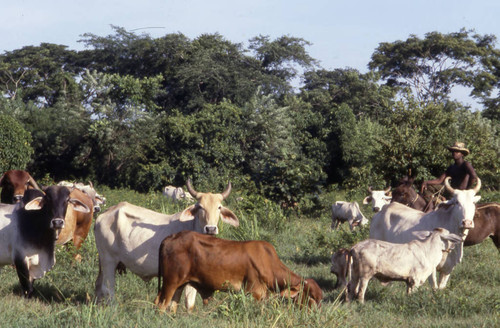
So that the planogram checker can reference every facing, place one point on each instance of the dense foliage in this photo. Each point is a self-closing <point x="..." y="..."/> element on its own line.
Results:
<point x="142" y="112"/>
<point x="15" y="148"/>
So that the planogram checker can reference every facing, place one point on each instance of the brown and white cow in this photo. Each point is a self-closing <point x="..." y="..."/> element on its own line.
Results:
<point x="28" y="231"/>
<point x="347" y="212"/>
<point x="77" y="223"/>
<point x="208" y="264"/>
<point x="14" y="183"/>
<point x="130" y="236"/>
<point x="378" y="198"/>
<point x="411" y="262"/>
<point x="397" y="223"/>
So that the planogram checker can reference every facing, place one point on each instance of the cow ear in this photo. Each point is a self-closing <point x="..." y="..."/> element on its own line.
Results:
<point x="35" y="204"/>
<point x="289" y="293"/>
<point x="78" y="205"/>
<point x="422" y="235"/>
<point x="367" y="200"/>
<point x="188" y="213"/>
<point x="476" y="199"/>
<point x="229" y="217"/>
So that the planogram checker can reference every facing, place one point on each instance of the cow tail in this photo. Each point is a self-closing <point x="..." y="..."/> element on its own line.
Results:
<point x="348" y="274"/>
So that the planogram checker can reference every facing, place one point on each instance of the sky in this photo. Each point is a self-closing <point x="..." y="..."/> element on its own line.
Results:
<point x="342" y="33"/>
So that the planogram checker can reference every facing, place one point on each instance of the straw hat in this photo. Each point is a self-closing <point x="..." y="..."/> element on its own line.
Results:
<point x="459" y="146"/>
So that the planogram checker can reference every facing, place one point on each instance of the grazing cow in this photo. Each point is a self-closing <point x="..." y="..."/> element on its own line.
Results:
<point x="28" y="232"/>
<point x="77" y="223"/>
<point x="176" y="194"/>
<point x="396" y="223"/>
<point x="89" y="190"/>
<point x="347" y="211"/>
<point x="339" y="266"/>
<point x="412" y="262"/>
<point x="378" y="198"/>
<point x="14" y="183"/>
<point x="130" y="236"/>
<point x="209" y="264"/>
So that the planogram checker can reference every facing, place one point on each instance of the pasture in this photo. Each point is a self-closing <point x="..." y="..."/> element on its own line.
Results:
<point x="304" y="242"/>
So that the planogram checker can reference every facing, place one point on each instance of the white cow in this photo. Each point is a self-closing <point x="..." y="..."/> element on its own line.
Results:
<point x="89" y="190"/>
<point x="130" y="235"/>
<point x="397" y="223"/>
<point x="347" y="211"/>
<point x="411" y="262"/>
<point x="378" y="198"/>
<point x="176" y="194"/>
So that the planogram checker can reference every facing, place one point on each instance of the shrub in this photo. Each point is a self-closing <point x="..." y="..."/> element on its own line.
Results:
<point x="15" y="144"/>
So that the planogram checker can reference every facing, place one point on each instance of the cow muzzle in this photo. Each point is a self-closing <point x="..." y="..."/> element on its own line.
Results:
<point x="211" y="230"/>
<point x="467" y="224"/>
<point x="57" y="224"/>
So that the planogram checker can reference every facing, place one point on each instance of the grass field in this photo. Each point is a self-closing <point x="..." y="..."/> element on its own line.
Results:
<point x="65" y="296"/>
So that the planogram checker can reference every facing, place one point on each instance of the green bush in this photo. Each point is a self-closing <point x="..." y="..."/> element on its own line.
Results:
<point x="15" y="144"/>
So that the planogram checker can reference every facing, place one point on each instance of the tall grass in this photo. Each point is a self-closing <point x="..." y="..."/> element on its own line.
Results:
<point x="65" y="296"/>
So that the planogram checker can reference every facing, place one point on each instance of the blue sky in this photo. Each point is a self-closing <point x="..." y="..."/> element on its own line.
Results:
<point x="343" y="33"/>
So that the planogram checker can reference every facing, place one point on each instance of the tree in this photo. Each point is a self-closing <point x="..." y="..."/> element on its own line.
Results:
<point x="15" y="144"/>
<point x="433" y="66"/>
<point x="44" y="75"/>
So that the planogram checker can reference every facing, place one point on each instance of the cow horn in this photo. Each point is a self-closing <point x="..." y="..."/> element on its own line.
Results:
<point x="226" y="192"/>
<point x="90" y="184"/>
<point x="370" y="189"/>
<point x="447" y="185"/>
<point x="33" y="183"/>
<point x="190" y="188"/>
<point x="478" y="186"/>
<point x="387" y="189"/>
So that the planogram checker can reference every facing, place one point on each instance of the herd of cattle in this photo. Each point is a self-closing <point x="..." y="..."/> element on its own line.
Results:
<point x="405" y="244"/>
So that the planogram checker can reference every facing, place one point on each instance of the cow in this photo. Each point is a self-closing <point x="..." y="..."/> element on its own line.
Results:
<point x="486" y="217"/>
<point x="130" y="236"/>
<point x="486" y="224"/>
<point x="339" y="266"/>
<point x="378" y="198"/>
<point x="28" y="232"/>
<point x="413" y="262"/>
<point x="77" y="223"/>
<point x="89" y="190"/>
<point x="14" y="183"/>
<point x="397" y="223"/>
<point x="176" y="194"/>
<point x="209" y="263"/>
<point x="347" y="212"/>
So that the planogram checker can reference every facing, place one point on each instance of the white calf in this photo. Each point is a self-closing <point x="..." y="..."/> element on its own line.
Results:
<point x="412" y="262"/>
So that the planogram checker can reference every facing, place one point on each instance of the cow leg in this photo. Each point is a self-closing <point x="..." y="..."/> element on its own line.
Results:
<point x="335" y="224"/>
<point x="24" y="276"/>
<point x="433" y="280"/>
<point x="105" y="283"/>
<point x="190" y="297"/>
<point x="363" y="284"/>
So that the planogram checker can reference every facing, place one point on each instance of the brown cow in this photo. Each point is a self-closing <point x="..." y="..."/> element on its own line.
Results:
<point x="486" y="224"/>
<point x="14" y="183"/>
<point x="77" y="223"/>
<point x="208" y="264"/>
<point x="486" y="216"/>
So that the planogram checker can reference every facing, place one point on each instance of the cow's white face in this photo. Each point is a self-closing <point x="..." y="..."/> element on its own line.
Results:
<point x="465" y="207"/>
<point x="209" y="210"/>
<point x="378" y="198"/>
